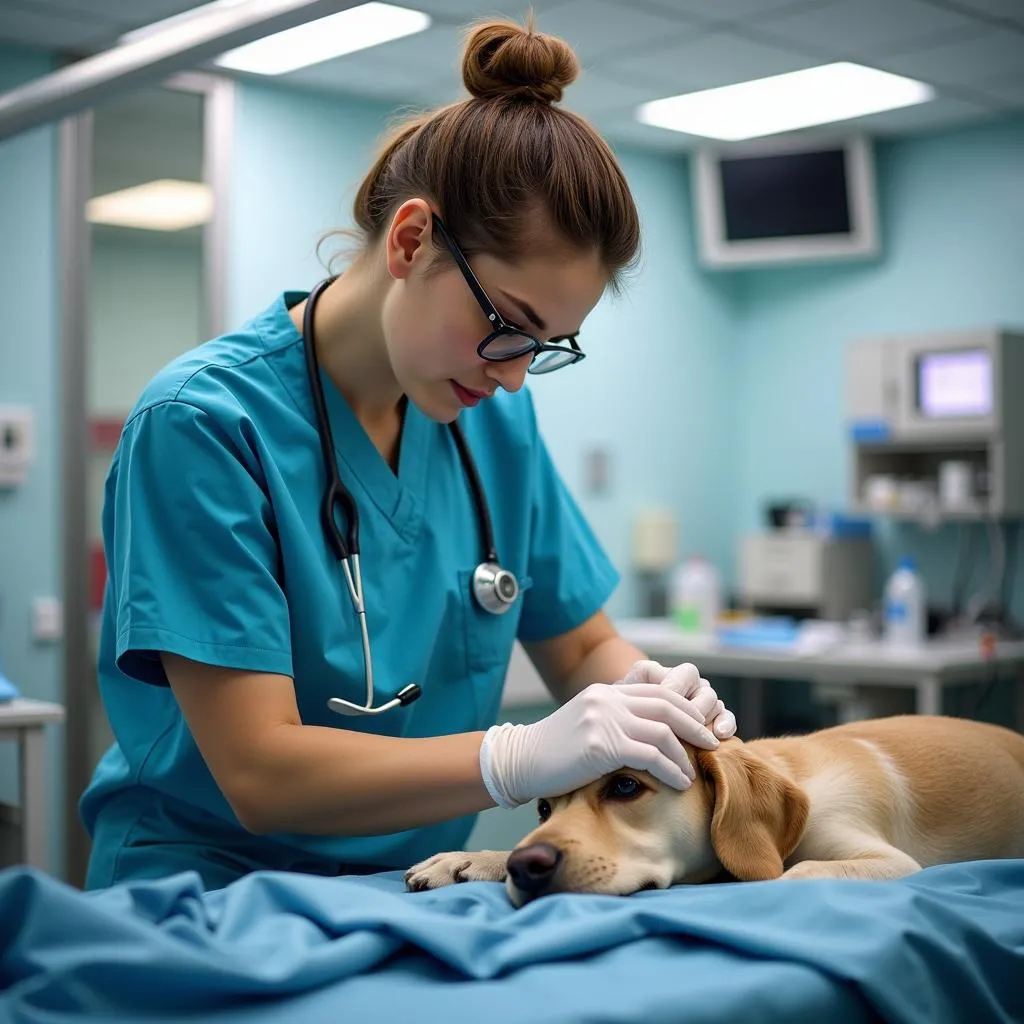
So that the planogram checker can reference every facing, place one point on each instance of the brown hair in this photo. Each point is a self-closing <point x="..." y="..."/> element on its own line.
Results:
<point x="505" y="166"/>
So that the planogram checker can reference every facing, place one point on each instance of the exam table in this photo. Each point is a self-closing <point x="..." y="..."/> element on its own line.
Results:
<point x="943" y="947"/>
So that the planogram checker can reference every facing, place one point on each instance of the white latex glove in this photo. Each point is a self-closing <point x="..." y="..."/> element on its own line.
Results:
<point x="601" y="729"/>
<point x="687" y="682"/>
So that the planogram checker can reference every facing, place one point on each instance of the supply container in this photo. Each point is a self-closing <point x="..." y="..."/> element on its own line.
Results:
<point x="904" y="613"/>
<point x="696" y="599"/>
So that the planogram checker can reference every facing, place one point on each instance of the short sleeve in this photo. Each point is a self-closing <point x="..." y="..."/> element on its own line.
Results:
<point x="191" y="549"/>
<point x="571" y="576"/>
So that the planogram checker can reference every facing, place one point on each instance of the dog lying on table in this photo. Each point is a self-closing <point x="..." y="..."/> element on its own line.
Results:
<point x="876" y="799"/>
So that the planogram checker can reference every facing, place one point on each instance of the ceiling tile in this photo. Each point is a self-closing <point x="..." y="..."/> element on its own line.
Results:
<point x="436" y="53"/>
<point x="121" y="11"/>
<point x="593" y="95"/>
<point x="465" y="11"/>
<point x="1008" y="89"/>
<point x="406" y="97"/>
<point x="728" y="10"/>
<point x="867" y="28"/>
<point x="1006" y="10"/>
<point x="636" y="50"/>
<point x="47" y="29"/>
<point x="943" y="112"/>
<point x="972" y="59"/>
<point x="596" y="28"/>
<point x="397" y="85"/>
<point x="115" y="16"/>
<point x="427" y="55"/>
<point x="706" y="62"/>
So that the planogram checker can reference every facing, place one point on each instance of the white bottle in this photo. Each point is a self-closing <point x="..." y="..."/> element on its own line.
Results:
<point x="905" y="607"/>
<point x="696" y="596"/>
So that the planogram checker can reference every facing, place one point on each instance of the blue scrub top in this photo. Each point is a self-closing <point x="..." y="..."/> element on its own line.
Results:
<point x="211" y="526"/>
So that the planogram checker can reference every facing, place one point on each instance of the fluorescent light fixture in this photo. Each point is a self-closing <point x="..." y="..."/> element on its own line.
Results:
<point x="316" y="41"/>
<point x="781" y="103"/>
<point x="162" y="205"/>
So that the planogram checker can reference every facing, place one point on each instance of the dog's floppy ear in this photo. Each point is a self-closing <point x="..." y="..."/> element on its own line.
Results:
<point x="759" y="814"/>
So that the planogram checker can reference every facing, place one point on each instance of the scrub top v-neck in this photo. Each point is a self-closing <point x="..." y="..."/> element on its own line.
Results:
<point x="216" y="552"/>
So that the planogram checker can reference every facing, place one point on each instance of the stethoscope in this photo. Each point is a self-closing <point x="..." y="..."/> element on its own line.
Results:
<point x="494" y="588"/>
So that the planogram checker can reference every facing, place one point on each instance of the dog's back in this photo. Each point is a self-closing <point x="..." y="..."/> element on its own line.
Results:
<point x="940" y="789"/>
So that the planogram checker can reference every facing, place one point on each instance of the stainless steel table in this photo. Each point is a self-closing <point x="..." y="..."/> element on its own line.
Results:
<point x="925" y="670"/>
<point x="24" y="721"/>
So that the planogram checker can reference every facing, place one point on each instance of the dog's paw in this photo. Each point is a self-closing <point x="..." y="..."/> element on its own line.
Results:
<point x="811" y="869"/>
<point x="451" y="868"/>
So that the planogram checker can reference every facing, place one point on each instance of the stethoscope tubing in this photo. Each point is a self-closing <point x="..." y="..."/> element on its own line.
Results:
<point x="346" y="547"/>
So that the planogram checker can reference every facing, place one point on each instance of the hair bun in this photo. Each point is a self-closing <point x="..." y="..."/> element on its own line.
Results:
<point x="502" y="58"/>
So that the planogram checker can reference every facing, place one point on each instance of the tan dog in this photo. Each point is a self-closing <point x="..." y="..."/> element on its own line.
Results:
<point x="875" y="799"/>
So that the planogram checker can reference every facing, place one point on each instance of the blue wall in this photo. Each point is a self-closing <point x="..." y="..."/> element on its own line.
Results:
<point x="652" y="391"/>
<point x="952" y="214"/>
<point x="29" y="515"/>
<point x="297" y="161"/>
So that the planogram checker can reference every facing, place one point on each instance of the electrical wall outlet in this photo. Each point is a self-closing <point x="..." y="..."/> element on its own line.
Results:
<point x="16" y="447"/>
<point x="596" y="470"/>
<point x="47" y="619"/>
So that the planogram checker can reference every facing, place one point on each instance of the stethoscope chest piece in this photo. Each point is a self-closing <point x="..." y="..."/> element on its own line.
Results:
<point x="494" y="588"/>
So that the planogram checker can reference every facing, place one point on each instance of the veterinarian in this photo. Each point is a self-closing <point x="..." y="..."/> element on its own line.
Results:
<point x="326" y="530"/>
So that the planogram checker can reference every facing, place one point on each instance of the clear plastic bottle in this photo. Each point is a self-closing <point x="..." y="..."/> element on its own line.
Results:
<point x="905" y="606"/>
<point x="696" y="596"/>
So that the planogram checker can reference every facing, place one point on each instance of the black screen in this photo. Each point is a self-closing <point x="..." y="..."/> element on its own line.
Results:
<point x="787" y="195"/>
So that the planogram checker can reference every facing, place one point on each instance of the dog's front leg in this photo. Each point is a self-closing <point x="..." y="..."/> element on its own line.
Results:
<point x="451" y="868"/>
<point x="877" y="864"/>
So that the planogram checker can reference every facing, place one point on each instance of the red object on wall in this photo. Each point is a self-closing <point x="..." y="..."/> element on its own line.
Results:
<point x="97" y="577"/>
<point x="105" y="432"/>
<point x="104" y="435"/>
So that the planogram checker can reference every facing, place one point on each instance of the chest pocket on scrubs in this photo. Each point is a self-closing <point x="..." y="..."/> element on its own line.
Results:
<point x="489" y="638"/>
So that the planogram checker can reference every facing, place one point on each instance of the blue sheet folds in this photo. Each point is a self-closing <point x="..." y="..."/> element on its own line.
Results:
<point x="946" y="945"/>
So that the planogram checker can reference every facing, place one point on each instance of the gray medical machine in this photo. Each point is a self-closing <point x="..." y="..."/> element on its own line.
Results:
<point x="937" y="424"/>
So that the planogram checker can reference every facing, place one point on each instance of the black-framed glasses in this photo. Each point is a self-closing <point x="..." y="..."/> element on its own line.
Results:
<point x="507" y="341"/>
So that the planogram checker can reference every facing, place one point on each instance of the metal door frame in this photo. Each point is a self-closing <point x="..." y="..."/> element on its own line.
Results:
<point x="80" y="691"/>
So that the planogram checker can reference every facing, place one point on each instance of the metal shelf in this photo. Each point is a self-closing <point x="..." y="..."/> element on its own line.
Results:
<point x="919" y="446"/>
<point x="943" y="515"/>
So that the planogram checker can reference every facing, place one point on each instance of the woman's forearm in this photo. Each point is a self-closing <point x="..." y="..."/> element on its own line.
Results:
<point x="282" y="776"/>
<point x="323" y="781"/>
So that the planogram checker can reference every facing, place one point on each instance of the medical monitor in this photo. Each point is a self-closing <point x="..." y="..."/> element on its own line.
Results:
<point x="785" y="202"/>
<point x="951" y="385"/>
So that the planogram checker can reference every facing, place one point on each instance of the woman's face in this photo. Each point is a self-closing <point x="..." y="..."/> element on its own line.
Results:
<point x="433" y="323"/>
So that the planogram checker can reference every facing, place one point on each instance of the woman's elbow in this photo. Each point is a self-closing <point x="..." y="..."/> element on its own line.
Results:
<point x="254" y="820"/>
<point x="251" y="801"/>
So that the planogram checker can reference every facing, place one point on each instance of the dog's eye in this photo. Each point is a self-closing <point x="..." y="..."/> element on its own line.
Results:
<point x="543" y="810"/>
<point x="623" y="787"/>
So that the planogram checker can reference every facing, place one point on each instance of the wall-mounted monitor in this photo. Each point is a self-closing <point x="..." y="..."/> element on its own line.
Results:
<point x="786" y="202"/>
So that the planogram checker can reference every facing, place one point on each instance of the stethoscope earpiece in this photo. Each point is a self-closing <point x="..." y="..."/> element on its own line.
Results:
<point x="494" y="588"/>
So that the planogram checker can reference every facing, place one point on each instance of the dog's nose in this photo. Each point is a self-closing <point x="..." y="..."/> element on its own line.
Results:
<point x="532" y="868"/>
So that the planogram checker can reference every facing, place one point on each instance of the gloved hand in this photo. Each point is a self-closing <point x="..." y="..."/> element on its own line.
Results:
<point x="601" y="729"/>
<point x="687" y="682"/>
